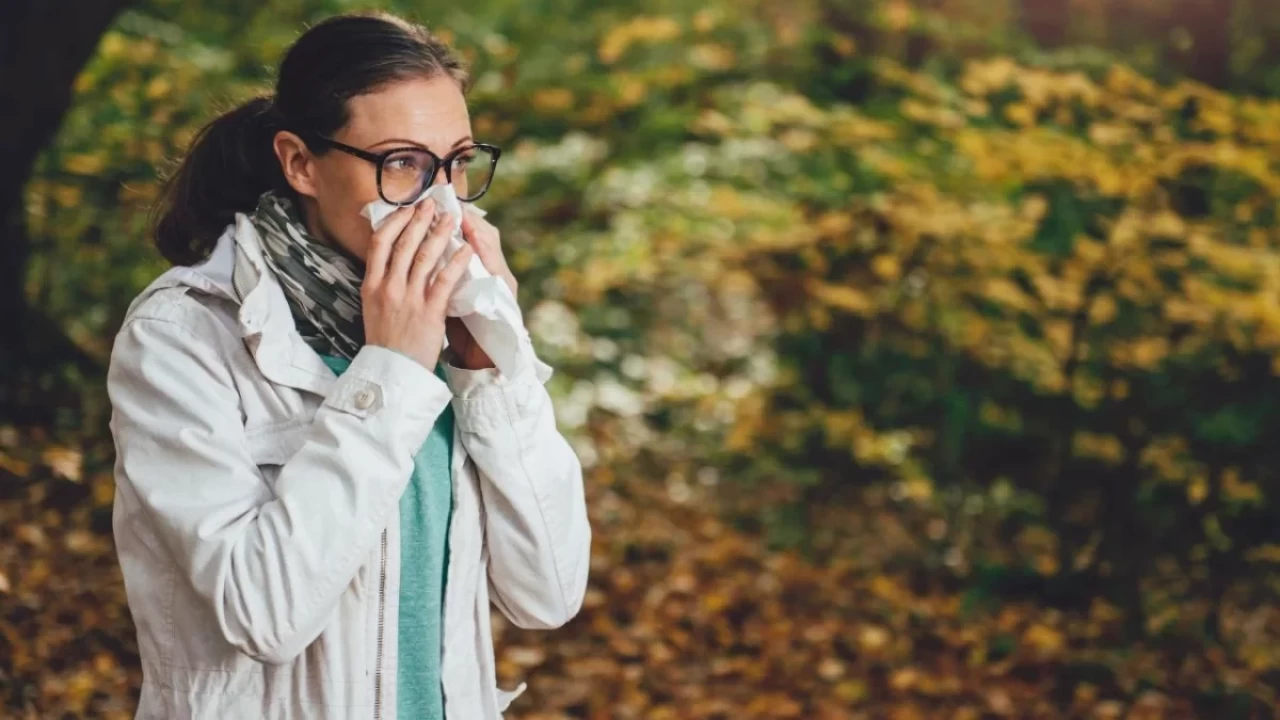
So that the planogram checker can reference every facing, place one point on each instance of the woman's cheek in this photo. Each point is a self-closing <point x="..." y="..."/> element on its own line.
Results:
<point x="349" y="229"/>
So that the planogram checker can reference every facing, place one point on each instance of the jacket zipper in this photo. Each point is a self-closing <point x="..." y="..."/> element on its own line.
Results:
<point x="382" y="612"/>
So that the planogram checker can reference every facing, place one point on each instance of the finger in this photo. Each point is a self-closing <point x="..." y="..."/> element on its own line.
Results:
<point x="384" y="238"/>
<point x="407" y="244"/>
<point x="428" y="255"/>
<point x="475" y="214"/>
<point x="442" y="287"/>
<point x="477" y="230"/>
<point x="484" y="238"/>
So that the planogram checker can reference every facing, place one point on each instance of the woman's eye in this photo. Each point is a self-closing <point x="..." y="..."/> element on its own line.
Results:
<point x="463" y="160"/>
<point x="402" y="163"/>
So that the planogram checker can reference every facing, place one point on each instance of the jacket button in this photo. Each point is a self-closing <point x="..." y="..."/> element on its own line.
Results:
<point x="364" y="399"/>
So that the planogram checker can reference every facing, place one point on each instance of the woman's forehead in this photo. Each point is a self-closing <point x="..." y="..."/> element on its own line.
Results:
<point x="430" y="112"/>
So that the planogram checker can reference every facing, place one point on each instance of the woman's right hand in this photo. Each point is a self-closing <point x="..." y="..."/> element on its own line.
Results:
<point x="402" y="310"/>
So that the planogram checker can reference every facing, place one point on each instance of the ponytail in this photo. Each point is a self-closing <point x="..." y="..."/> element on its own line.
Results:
<point x="230" y="164"/>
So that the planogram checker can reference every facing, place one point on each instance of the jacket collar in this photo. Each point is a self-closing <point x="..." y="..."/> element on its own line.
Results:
<point x="237" y="271"/>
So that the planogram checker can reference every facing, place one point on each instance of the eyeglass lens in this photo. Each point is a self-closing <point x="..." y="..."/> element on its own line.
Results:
<point x="406" y="173"/>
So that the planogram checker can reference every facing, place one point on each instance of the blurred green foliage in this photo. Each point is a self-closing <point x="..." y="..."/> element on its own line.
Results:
<point x="827" y="245"/>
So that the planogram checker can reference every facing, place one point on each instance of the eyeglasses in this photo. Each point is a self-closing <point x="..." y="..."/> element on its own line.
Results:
<point x="404" y="173"/>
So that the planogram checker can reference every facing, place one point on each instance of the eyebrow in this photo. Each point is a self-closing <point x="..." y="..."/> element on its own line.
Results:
<point x="403" y="141"/>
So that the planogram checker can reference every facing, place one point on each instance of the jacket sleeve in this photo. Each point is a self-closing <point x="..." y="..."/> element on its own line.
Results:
<point x="536" y="527"/>
<point x="271" y="561"/>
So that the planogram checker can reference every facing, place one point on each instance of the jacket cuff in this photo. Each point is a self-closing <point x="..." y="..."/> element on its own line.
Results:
<point x="380" y="380"/>
<point x="467" y="384"/>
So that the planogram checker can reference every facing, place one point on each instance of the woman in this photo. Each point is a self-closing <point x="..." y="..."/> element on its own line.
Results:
<point x="315" y="499"/>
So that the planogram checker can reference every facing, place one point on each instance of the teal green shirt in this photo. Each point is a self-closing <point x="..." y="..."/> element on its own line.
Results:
<point x="425" y="507"/>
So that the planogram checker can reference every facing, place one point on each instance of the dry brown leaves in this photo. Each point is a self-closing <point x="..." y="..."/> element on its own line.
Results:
<point x="686" y="618"/>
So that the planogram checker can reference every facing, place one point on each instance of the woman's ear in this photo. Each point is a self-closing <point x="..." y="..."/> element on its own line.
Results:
<point x="296" y="162"/>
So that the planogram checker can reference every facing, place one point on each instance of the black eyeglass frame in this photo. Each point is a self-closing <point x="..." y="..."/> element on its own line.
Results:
<point x="379" y="158"/>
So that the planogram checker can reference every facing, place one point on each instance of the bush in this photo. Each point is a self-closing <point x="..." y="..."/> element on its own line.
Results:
<point x="778" y="241"/>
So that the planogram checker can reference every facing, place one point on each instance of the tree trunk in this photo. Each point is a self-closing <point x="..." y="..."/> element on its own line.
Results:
<point x="1209" y="23"/>
<point x="44" y="44"/>
<point x="1129" y="24"/>
<point x="1047" y="21"/>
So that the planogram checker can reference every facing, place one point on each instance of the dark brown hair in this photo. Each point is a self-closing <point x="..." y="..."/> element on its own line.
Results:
<point x="231" y="161"/>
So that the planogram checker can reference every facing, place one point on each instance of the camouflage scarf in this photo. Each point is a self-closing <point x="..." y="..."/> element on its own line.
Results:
<point x="321" y="284"/>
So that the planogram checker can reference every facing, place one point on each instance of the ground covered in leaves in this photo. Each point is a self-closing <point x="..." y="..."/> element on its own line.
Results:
<point x="687" y="617"/>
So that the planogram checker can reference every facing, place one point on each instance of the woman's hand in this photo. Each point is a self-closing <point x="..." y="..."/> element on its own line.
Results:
<point x="402" y="311"/>
<point x="487" y="242"/>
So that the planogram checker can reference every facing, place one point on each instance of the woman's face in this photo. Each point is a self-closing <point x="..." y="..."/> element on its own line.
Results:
<point x="335" y="186"/>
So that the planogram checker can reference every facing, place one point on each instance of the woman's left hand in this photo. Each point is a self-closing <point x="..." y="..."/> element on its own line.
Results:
<point x="487" y="242"/>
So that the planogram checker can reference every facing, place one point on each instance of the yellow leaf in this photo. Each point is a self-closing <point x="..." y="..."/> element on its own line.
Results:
<point x="552" y="100"/>
<point x="904" y="679"/>
<point x="104" y="490"/>
<point x="85" y="164"/>
<point x="32" y="535"/>
<point x="113" y="44"/>
<point x="1266" y="554"/>
<point x="898" y="15"/>
<point x="1020" y="114"/>
<point x="65" y="462"/>
<point x="830" y="669"/>
<point x="67" y="196"/>
<point x="851" y="691"/>
<point x="1098" y="446"/>
<point x="712" y="56"/>
<point x="641" y="29"/>
<point x="104" y="663"/>
<point x="14" y="466"/>
<point x="158" y="87"/>
<point x="873" y="637"/>
<point x="630" y="90"/>
<point x="1047" y="641"/>
<point x="799" y="140"/>
<point x="834" y="224"/>
<point x="1234" y="488"/>
<point x="1046" y="565"/>
<point x="80" y="542"/>
<point x="706" y="20"/>
<point x="886" y="267"/>
<point x="842" y="297"/>
<point x="1103" y="310"/>
<point x="844" y="45"/>
<point x="525" y="657"/>
<point x="714" y="602"/>
<point x="1006" y="292"/>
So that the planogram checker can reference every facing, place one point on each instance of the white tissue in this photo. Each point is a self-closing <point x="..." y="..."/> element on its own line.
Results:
<point x="485" y="303"/>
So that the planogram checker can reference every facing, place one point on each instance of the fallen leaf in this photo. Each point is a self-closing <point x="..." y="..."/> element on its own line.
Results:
<point x="525" y="656"/>
<point x="65" y="462"/>
<point x="32" y="535"/>
<point x="1046" y="641"/>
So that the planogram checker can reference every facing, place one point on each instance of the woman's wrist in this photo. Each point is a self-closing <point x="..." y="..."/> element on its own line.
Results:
<point x="478" y="361"/>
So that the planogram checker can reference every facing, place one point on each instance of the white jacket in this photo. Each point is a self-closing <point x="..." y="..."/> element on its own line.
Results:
<point x="257" y="506"/>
